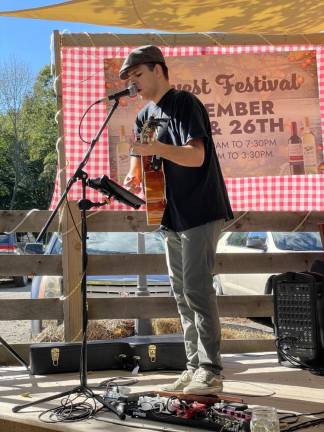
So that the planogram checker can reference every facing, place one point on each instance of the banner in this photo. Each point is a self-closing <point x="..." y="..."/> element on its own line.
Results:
<point x="252" y="123"/>
<point x="263" y="108"/>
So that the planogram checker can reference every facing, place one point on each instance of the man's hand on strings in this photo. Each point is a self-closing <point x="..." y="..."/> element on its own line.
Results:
<point x="147" y="149"/>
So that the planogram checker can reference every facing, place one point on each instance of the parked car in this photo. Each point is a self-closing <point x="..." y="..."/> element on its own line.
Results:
<point x="24" y="239"/>
<point x="8" y="246"/>
<point x="112" y="285"/>
<point x="260" y="242"/>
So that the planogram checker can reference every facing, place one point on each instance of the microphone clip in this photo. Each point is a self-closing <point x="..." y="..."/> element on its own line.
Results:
<point x="86" y="204"/>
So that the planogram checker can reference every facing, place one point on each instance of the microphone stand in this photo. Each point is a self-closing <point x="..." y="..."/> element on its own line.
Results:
<point x="78" y="173"/>
<point x="14" y="353"/>
<point x="84" y="205"/>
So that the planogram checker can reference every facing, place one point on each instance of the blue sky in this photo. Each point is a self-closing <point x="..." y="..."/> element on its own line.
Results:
<point x="29" y="39"/>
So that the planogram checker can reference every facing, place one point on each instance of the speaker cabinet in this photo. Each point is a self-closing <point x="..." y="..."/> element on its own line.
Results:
<point x="299" y="316"/>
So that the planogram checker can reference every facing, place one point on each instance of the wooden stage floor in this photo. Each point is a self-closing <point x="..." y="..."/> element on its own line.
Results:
<point x="257" y="378"/>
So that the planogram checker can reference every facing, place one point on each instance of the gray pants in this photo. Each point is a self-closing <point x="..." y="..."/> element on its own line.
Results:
<point x="191" y="257"/>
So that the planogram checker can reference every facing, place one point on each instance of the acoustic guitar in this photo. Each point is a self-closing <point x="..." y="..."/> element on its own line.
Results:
<point x="152" y="175"/>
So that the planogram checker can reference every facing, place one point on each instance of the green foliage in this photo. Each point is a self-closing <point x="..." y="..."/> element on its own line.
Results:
<point x="6" y="172"/>
<point x="39" y="110"/>
<point x="33" y="191"/>
<point x="27" y="147"/>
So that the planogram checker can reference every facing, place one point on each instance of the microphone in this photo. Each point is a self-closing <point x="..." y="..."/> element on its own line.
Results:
<point x="130" y="91"/>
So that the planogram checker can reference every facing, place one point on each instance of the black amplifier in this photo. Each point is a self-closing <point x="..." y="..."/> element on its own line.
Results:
<point x="299" y="315"/>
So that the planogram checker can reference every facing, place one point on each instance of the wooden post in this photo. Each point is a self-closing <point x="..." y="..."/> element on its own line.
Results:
<point x="71" y="256"/>
<point x="72" y="273"/>
<point x="59" y="116"/>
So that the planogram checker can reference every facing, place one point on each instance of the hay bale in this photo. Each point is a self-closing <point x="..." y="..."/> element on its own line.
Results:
<point x="51" y="333"/>
<point x="166" y="326"/>
<point x="110" y="329"/>
<point x="97" y="330"/>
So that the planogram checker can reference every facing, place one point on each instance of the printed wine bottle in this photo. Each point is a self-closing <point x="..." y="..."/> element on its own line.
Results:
<point x="309" y="149"/>
<point x="295" y="151"/>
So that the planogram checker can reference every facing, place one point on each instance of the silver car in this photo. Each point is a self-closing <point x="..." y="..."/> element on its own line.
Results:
<point x="260" y="242"/>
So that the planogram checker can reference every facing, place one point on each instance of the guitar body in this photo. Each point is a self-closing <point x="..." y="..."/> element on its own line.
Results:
<point x="153" y="182"/>
<point x="152" y="177"/>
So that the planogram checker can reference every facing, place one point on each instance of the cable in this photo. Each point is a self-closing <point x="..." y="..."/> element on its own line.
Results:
<point x="248" y="394"/>
<point x="295" y="418"/>
<point x="22" y="221"/>
<point x="70" y="410"/>
<point x="82" y="118"/>
<point x="302" y="414"/>
<point x="304" y="425"/>
<point x="293" y="360"/>
<point x="286" y="355"/>
<point x="117" y="381"/>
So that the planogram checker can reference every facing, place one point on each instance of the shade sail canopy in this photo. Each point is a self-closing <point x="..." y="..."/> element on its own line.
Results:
<point x="234" y="16"/>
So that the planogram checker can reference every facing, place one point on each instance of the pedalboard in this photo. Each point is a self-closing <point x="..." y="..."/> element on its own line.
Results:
<point x="205" y="412"/>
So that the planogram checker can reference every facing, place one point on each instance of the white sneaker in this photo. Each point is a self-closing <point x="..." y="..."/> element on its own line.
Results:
<point x="204" y="382"/>
<point x="178" y="385"/>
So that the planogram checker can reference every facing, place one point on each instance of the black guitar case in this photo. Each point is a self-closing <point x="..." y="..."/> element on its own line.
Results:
<point x="146" y="353"/>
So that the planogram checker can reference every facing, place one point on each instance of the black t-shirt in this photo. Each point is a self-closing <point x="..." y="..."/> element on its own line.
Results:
<point x="195" y="195"/>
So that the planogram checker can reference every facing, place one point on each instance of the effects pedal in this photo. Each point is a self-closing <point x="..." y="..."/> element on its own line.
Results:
<point x="198" y="411"/>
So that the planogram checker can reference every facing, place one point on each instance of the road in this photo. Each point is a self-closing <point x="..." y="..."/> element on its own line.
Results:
<point x="14" y="331"/>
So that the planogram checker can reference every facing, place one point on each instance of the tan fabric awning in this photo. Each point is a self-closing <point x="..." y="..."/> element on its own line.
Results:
<point x="226" y="16"/>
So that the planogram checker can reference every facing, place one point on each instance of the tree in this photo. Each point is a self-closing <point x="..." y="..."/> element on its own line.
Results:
<point x="39" y="111"/>
<point x="6" y="172"/>
<point x="15" y="84"/>
<point x="28" y="134"/>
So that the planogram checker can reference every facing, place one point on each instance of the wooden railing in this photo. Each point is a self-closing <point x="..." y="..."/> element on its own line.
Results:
<point x="69" y="264"/>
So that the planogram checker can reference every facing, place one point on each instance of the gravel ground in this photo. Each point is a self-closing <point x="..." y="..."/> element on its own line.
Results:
<point x="14" y="331"/>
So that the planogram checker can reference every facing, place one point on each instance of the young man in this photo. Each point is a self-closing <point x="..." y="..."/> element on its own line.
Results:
<point x="196" y="207"/>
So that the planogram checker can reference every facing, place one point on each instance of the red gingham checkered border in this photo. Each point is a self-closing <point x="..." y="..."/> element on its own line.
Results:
<point x="83" y="83"/>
